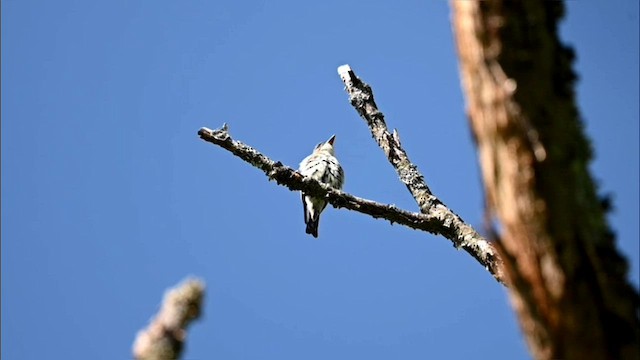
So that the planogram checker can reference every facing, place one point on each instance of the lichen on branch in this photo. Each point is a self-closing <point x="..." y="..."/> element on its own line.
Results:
<point x="437" y="222"/>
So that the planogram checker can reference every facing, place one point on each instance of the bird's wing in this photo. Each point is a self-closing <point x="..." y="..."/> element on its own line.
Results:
<point x="340" y="176"/>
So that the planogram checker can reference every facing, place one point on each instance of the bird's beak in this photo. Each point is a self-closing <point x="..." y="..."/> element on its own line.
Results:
<point x="331" y="140"/>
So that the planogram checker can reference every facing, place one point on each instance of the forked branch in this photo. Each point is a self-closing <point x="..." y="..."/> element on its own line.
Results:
<point x="454" y="228"/>
<point x="437" y="222"/>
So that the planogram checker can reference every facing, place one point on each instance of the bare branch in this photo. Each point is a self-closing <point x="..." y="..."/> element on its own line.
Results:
<point x="440" y="221"/>
<point x="460" y="233"/>
<point x="164" y="338"/>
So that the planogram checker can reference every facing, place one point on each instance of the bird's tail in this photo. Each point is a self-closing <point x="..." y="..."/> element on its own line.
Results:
<point x="312" y="226"/>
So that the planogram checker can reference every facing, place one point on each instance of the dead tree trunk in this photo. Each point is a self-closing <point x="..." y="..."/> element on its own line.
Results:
<point x="567" y="281"/>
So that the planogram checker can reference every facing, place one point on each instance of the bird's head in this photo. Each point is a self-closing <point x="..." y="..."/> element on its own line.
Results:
<point x="326" y="146"/>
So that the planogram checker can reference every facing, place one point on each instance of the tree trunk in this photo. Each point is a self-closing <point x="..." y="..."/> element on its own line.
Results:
<point x="567" y="281"/>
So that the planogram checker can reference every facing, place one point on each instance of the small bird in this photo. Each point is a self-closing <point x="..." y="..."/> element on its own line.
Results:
<point x="323" y="166"/>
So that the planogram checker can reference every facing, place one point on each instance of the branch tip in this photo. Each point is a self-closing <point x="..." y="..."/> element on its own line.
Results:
<point x="344" y="69"/>
<point x="347" y="75"/>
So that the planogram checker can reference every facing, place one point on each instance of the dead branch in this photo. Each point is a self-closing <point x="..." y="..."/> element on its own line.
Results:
<point x="440" y="221"/>
<point x="459" y="232"/>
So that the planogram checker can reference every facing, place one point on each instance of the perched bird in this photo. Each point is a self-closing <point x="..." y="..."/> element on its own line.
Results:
<point x="323" y="166"/>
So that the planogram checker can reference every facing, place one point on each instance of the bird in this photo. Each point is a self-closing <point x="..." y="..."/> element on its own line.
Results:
<point x="323" y="166"/>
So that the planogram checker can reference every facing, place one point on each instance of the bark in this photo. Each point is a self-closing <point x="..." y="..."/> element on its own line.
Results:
<point x="440" y="220"/>
<point x="567" y="281"/>
<point x="460" y="233"/>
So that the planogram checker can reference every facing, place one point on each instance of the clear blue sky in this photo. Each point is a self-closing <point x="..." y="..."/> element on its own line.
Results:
<point x="109" y="197"/>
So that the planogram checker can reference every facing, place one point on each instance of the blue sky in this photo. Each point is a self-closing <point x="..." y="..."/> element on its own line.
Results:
<point x="109" y="197"/>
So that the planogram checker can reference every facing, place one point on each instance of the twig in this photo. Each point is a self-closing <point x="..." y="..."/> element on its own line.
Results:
<point x="454" y="228"/>
<point x="437" y="222"/>
<point x="164" y="338"/>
